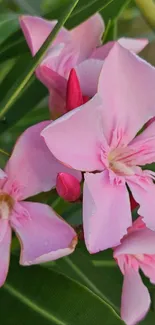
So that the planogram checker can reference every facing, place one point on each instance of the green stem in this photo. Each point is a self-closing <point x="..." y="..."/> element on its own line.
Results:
<point x="147" y="8"/>
<point x="4" y="152"/>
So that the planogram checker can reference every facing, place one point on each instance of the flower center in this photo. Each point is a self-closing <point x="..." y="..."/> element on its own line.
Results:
<point x="117" y="164"/>
<point x="6" y="205"/>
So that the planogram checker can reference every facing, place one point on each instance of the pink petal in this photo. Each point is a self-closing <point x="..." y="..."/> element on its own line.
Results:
<point x="37" y="29"/>
<point x="106" y="212"/>
<point x="73" y="132"/>
<point x="143" y="191"/>
<point x="52" y="79"/>
<point x="149" y="270"/>
<point x="101" y="52"/>
<point x="91" y="30"/>
<point x="137" y="242"/>
<point x="47" y="71"/>
<point x="143" y="146"/>
<point x="125" y="76"/>
<point x="131" y="44"/>
<point x="5" y="244"/>
<point x="88" y="73"/>
<point x="44" y="236"/>
<point x="135" y="298"/>
<point x="55" y="68"/>
<point x="32" y="168"/>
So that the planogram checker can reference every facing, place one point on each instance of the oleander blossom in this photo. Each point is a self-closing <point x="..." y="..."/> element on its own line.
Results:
<point x="74" y="48"/>
<point x="44" y="236"/>
<point x="136" y="252"/>
<point x="100" y="138"/>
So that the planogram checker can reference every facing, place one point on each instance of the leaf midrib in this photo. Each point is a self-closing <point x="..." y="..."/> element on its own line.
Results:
<point x="91" y="285"/>
<point x="24" y="299"/>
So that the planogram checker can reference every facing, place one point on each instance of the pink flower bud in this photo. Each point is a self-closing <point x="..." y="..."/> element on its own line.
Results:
<point x="68" y="187"/>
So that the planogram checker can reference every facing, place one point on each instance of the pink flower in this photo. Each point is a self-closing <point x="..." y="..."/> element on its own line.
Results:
<point x="136" y="252"/>
<point x="78" y="47"/>
<point x="99" y="138"/>
<point x="43" y="235"/>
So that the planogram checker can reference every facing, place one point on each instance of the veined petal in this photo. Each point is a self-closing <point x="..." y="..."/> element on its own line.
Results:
<point x="79" y="136"/>
<point x="44" y="236"/>
<point x="143" y="147"/>
<point x="83" y="42"/>
<point x="106" y="212"/>
<point x="125" y="76"/>
<point x="32" y="168"/>
<point x="135" y="301"/>
<point x="5" y="244"/>
<point x="37" y="29"/>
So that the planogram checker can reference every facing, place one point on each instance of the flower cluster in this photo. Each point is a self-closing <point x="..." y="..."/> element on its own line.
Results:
<point x="102" y="100"/>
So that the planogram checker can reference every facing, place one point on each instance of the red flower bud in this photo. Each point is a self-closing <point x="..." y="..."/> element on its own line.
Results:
<point x="74" y="97"/>
<point x="68" y="187"/>
<point x="74" y="94"/>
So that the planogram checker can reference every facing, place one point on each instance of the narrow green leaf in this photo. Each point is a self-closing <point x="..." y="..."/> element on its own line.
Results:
<point x="14" y="46"/>
<point x="85" y="9"/>
<point x="33" y="94"/>
<point x="30" y="7"/>
<point x="8" y="25"/>
<point x="110" y="15"/>
<point x="24" y="79"/>
<point x="34" y="295"/>
<point x="114" y="10"/>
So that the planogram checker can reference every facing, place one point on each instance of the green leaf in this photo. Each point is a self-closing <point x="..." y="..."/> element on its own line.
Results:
<point x="98" y="272"/>
<point x="114" y="10"/>
<point x="20" y="84"/>
<point x="85" y="9"/>
<point x="34" y="295"/>
<point x="33" y="94"/>
<point x="8" y="25"/>
<point x="82" y="11"/>
<point x="13" y="46"/>
<point x="110" y="15"/>
<point x="30" y="7"/>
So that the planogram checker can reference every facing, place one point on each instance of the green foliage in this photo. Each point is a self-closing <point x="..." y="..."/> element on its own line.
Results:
<point x="40" y="296"/>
